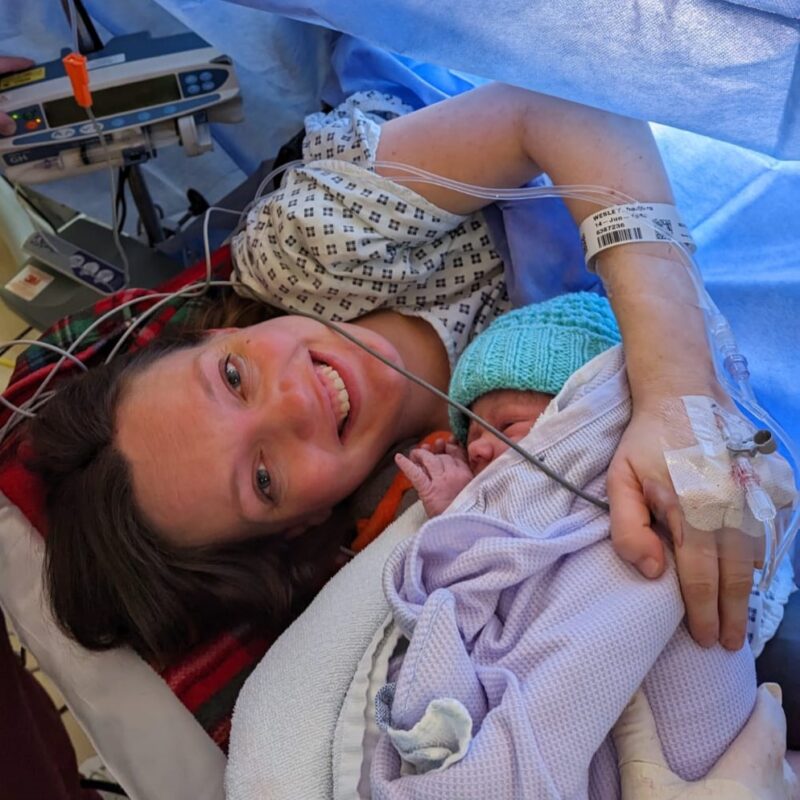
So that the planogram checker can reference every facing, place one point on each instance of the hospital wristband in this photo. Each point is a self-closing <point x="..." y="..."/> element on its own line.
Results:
<point x="632" y="222"/>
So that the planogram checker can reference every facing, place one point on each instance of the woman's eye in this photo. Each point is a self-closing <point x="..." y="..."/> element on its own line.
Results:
<point x="232" y="375"/>
<point x="263" y="480"/>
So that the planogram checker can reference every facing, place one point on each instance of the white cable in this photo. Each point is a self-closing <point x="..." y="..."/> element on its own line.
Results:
<point x="66" y="354"/>
<point x="200" y="286"/>
<point x="190" y="289"/>
<point x="113" y="181"/>
<point x="275" y="172"/>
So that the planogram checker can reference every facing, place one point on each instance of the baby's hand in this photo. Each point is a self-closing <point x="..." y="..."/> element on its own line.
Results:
<point x="437" y="476"/>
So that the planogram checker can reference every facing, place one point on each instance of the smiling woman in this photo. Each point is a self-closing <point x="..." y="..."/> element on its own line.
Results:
<point x="197" y="473"/>
<point x="258" y="431"/>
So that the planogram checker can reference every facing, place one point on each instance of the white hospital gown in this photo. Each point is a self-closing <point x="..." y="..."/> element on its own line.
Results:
<point x="338" y="241"/>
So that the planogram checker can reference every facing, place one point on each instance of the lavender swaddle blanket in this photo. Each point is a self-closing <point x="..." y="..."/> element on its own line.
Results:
<point x="518" y="609"/>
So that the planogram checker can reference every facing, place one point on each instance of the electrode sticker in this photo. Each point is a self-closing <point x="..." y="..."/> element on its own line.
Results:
<point x="637" y="222"/>
<point x="29" y="283"/>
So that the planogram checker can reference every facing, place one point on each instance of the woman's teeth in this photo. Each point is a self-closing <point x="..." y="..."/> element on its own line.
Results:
<point x="337" y="391"/>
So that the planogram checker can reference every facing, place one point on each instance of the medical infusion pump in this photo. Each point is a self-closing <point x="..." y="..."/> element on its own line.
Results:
<point x="146" y="93"/>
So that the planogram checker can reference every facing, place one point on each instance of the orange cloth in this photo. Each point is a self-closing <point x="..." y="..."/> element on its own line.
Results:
<point x="386" y="510"/>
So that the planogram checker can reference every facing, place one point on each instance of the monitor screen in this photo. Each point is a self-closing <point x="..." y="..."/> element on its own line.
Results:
<point x="116" y="100"/>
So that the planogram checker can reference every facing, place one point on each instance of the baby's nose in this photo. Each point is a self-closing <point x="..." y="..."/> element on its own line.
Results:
<point x="480" y="453"/>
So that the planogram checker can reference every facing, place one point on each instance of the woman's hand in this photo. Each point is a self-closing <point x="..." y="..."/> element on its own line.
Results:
<point x="753" y="767"/>
<point x="10" y="64"/>
<point x="715" y="572"/>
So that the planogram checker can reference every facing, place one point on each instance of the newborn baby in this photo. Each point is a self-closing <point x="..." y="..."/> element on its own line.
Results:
<point x="508" y="375"/>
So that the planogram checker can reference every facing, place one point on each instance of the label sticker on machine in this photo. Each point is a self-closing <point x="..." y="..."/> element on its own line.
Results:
<point x="21" y="78"/>
<point x="100" y="275"/>
<point x="29" y="283"/>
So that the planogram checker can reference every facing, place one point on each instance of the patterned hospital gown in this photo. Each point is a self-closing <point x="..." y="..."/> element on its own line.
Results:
<point x="338" y="241"/>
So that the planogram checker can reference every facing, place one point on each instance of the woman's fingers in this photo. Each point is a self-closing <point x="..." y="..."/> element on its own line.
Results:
<point x="737" y="557"/>
<point x="14" y="63"/>
<point x="715" y="568"/>
<point x="697" y="563"/>
<point x="633" y="538"/>
<point x="665" y="507"/>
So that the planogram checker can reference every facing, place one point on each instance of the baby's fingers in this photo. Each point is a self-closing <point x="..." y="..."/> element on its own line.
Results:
<point x="439" y="446"/>
<point x="456" y="451"/>
<point x="419" y="478"/>
<point x="433" y="463"/>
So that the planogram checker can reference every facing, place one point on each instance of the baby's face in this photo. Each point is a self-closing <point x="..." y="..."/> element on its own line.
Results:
<point x="510" y="411"/>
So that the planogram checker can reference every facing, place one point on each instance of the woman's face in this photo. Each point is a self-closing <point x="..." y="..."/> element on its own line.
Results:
<point x="257" y="430"/>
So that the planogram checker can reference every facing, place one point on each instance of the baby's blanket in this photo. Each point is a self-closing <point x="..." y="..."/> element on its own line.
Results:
<point x="518" y="609"/>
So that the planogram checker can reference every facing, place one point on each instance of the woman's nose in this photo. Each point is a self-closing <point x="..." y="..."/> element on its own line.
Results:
<point x="297" y="405"/>
<point x="480" y="452"/>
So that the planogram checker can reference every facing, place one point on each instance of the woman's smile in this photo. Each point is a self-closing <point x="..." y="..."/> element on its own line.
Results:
<point x="258" y="430"/>
<point x="338" y="397"/>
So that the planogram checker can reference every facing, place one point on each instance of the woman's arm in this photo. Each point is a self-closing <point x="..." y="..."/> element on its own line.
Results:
<point x="503" y="136"/>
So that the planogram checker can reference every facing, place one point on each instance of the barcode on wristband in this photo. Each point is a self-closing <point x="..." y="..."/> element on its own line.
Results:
<point x="617" y="237"/>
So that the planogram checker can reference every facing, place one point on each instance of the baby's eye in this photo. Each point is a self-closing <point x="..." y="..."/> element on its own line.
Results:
<point x="263" y="480"/>
<point x="232" y="375"/>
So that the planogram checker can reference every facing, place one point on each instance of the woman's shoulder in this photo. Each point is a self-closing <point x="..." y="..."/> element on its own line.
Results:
<point x="351" y="131"/>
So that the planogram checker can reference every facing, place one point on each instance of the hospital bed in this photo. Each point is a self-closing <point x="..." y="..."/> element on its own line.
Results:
<point x="719" y="78"/>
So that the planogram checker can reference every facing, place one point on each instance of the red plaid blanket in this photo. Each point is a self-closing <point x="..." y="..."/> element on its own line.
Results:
<point x="208" y="679"/>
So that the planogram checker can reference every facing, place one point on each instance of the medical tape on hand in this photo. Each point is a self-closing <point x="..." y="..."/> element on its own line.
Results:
<point x="633" y="222"/>
<point x="705" y="477"/>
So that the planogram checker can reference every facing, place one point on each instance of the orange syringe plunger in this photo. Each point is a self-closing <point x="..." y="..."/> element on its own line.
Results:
<point x="75" y="65"/>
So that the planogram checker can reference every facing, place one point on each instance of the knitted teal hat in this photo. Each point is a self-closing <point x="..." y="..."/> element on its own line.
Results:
<point x="536" y="347"/>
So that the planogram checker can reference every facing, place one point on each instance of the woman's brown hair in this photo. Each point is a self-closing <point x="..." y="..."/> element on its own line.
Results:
<point x="112" y="580"/>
